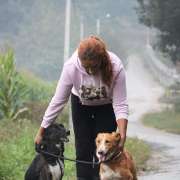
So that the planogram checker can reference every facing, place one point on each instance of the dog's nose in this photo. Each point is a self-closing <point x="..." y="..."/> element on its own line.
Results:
<point x="67" y="132"/>
<point x="64" y="139"/>
<point x="100" y="152"/>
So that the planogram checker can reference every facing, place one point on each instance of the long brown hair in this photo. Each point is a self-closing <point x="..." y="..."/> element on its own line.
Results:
<point x="93" y="48"/>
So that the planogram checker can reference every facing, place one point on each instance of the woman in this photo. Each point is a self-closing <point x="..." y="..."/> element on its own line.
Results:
<point x="95" y="79"/>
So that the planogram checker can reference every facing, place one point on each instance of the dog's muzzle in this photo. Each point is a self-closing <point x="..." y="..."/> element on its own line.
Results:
<point x="102" y="156"/>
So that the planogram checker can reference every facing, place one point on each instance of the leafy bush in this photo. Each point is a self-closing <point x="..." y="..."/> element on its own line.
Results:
<point x="38" y="90"/>
<point x="38" y="97"/>
<point x="12" y="91"/>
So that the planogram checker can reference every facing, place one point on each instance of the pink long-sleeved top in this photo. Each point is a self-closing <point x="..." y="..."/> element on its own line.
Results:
<point x="89" y="88"/>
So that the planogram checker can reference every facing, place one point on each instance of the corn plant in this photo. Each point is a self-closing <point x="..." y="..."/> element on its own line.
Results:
<point x="12" y="91"/>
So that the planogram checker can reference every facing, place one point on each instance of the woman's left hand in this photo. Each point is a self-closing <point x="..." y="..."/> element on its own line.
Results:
<point x="121" y="144"/>
<point x="122" y="126"/>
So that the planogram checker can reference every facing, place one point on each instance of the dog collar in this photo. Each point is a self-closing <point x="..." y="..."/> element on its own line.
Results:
<point x="114" y="156"/>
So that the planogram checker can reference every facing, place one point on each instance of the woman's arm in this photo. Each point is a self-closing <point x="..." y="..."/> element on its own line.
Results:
<point x="120" y="104"/>
<point x="122" y="127"/>
<point x="60" y="98"/>
<point x="39" y="135"/>
<point x="57" y="103"/>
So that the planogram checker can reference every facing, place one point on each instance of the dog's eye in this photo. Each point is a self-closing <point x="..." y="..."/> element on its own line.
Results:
<point x="58" y="145"/>
<point x="98" y="141"/>
<point x="107" y="142"/>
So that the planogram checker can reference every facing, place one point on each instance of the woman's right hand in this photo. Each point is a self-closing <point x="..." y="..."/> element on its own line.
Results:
<point x="39" y="135"/>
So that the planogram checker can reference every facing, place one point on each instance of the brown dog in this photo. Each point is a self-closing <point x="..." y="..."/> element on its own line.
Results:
<point x="115" y="165"/>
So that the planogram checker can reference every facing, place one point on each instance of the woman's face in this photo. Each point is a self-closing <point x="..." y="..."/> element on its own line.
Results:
<point x="92" y="67"/>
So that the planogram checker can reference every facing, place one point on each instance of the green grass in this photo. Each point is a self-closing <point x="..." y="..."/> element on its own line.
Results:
<point x="17" y="150"/>
<point x="140" y="151"/>
<point x="70" y="170"/>
<point x="167" y="120"/>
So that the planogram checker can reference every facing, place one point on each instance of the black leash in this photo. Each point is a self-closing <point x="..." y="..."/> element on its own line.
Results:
<point x="68" y="159"/>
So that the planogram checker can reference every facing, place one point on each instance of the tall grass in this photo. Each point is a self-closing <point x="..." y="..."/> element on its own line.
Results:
<point x="12" y="90"/>
<point x="16" y="148"/>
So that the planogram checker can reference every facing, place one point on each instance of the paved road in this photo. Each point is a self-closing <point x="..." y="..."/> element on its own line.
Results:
<point x="143" y="93"/>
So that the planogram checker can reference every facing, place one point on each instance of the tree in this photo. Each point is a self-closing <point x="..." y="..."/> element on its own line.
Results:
<point x="163" y="15"/>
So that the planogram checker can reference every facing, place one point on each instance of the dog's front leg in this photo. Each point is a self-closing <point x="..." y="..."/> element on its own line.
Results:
<point x="45" y="174"/>
<point x="126" y="175"/>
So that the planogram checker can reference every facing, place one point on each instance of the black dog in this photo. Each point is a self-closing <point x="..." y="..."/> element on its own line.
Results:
<point x="48" y="163"/>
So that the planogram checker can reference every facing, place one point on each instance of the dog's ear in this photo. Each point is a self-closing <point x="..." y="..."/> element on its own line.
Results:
<point x="37" y="148"/>
<point x="117" y="136"/>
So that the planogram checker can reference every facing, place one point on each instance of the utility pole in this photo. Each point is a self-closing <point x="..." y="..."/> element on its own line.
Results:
<point x="67" y="30"/>
<point x="98" y="26"/>
<point x="81" y="28"/>
<point x="67" y="44"/>
<point x="99" y="23"/>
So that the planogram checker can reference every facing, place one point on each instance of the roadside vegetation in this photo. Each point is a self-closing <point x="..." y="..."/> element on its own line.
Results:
<point x="23" y="100"/>
<point x="168" y="119"/>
